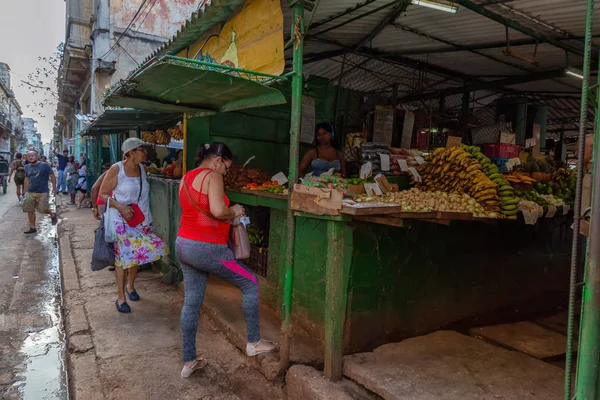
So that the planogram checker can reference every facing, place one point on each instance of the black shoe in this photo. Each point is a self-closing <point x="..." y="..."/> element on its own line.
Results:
<point x="65" y="192"/>
<point x="30" y="231"/>
<point x="54" y="219"/>
<point x="111" y="268"/>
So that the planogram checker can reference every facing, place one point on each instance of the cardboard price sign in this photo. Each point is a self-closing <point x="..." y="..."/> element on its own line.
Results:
<point x="453" y="141"/>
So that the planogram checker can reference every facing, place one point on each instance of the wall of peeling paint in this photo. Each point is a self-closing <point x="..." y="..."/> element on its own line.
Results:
<point x="160" y="18"/>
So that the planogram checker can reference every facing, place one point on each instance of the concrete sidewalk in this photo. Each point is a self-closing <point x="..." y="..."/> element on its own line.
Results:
<point x="138" y="355"/>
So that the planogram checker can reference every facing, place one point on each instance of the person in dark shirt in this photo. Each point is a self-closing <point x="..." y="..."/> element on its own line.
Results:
<point x="62" y="163"/>
<point x="37" y="197"/>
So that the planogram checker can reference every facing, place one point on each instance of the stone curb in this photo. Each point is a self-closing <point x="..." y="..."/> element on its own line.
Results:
<point x="81" y="358"/>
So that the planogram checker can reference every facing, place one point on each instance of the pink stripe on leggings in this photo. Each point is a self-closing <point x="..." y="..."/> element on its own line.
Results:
<point x="238" y="269"/>
<point x="229" y="264"/>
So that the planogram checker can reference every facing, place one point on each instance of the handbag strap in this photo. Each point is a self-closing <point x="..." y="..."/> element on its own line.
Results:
<point x="141" y="182"/>
<point x="193" y="203"/>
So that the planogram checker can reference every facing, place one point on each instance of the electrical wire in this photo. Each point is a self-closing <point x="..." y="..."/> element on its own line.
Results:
<point x="142" y="6"/>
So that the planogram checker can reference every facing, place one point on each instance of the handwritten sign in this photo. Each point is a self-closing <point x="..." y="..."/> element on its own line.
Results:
<point x="453" y="141"/>
<point x="403" y="165"/>
<point x="385" y="162"/>
<point x="414" y="173"/>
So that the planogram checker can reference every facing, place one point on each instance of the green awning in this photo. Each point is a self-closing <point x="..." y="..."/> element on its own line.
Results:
<point x="173" y="84"/>
<point x="122" y="120"/>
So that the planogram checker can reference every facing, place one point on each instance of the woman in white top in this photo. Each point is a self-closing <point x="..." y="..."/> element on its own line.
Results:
<point x="137" y="245"/>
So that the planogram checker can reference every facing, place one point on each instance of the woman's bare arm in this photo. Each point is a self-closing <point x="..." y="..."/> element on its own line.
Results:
<point x="340" y="156"/>
<point x="306" y="160"/>
<point x="96" y="189"/>
<point x="216" y="197"/>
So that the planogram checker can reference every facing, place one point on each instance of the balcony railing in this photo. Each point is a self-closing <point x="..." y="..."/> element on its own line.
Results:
<point x="4" y="123"/>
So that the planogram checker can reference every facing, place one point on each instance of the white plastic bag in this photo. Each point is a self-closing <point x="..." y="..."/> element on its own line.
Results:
<point x="110" y="232"/>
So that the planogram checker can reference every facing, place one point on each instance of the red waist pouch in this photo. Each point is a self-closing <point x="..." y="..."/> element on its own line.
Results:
<point x="138" y="216"/>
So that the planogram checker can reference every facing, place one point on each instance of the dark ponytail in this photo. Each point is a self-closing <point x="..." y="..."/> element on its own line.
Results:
<point x="214" y="149"/>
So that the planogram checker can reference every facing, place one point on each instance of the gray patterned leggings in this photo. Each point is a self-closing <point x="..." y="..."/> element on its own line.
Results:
<point x="198" y="260"/>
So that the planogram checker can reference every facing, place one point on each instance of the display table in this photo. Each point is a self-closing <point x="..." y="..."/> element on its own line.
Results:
<point x="365" y="280"/>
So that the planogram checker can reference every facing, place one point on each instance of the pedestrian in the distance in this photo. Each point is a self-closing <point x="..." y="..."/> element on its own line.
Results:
<point x="202" y="249"/>
<point x="37" y="177"/>
<point x="63" y="159"/>
<point x="71" y="176"/>
<point x="125" y="188"/>
<point x="81" y="186"/>
<point x="44" y="159"/>
<point x="18" y="167"/>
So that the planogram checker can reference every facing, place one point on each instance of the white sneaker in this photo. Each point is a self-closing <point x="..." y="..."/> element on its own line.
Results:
<point x="198" y="364"/>
<point x="262" y="346"/>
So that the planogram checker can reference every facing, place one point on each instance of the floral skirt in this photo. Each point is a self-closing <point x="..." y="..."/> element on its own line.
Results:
<point x="137" y="246"/>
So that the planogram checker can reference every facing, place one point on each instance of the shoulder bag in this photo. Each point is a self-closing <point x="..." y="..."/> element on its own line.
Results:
<point x="238" y="237"/>
<point x="103" y="254"/>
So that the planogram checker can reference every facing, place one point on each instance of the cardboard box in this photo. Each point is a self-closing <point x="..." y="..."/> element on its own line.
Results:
<point x="316" y="201"/>
<point x="508" y="138"/>
<point x="358" y="189"/>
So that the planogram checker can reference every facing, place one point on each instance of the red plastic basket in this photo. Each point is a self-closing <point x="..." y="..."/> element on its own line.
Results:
<point x="501" y="150"/>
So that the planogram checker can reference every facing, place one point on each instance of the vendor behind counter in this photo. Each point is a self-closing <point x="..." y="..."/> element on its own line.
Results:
<point x="325" y="155"/>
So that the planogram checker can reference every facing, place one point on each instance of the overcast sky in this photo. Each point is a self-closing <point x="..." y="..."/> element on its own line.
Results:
<point x="29" y="29"/>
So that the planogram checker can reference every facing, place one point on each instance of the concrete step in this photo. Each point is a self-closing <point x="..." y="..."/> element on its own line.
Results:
<point x="223" y="305"/>
<point x="446" y="365"/>
<point x="526" y="337"/>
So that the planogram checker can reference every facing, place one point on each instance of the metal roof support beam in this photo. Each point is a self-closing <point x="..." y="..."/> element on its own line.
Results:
<point x="348" y="21"/>
<point x="390" y="18"/>
<point x="482" y="85"/>
<point x="408" y="62"/>
<point x="517" y="26"/>
<point x="458" y="47"/>
<point x="343" y="13"/>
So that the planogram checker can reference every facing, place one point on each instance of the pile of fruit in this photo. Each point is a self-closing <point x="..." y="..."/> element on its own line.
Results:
<point x="553" y="200"/>
<point x="455" y="170"/>
<point x="271" y="187"/>
<point x="331" y="182"/>
<point x="531" y="206"/>
<point x="176" y="132"/>
<point x="238" y="177"/>
<point x="506" y="193"/>
<point x="534" y="197"/>
<point x="415" y="200"/>
<point x="256" y="236"/>
<point x="157" y="137"/>
<point x="515" y="177"/>
<point x="563" y="184"/>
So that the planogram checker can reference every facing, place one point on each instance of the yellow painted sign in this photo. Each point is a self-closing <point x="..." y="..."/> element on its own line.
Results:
<point x="252" y="39"/>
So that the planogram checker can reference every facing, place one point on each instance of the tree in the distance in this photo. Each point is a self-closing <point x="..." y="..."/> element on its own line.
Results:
<point x="43" y="82"/>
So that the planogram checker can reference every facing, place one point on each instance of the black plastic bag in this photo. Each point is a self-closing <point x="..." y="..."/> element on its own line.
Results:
<point x="104" y="253"/>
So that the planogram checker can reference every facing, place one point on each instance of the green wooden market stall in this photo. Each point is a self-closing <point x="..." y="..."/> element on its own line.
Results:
<point x="355" y="281"/>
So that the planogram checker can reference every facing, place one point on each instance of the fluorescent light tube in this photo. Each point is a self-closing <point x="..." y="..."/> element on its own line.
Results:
<point x="574" y="72"/>
<point x="436" y="5"/>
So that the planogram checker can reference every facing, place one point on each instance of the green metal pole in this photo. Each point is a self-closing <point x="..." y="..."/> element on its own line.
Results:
<point x="295" y="126"/>
<point x="587" y="383"/>
<point x="586" y="367"/>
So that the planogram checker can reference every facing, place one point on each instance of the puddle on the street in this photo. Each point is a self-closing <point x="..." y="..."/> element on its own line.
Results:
<point x="43" y="375"/>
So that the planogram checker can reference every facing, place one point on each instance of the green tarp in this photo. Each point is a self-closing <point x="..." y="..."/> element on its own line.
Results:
<point x="174" y="86"/>
<point x="122" y="120"/>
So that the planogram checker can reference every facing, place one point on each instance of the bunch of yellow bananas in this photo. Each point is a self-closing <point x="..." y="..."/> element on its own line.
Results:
<point x="454" y="170"/>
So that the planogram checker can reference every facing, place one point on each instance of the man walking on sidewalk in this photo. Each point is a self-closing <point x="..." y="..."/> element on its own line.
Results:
<point x="62" y="163"/>
<point x="37" y="198"/>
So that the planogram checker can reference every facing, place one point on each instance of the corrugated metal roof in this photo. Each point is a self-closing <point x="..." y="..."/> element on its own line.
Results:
<point x="567" y="16"/>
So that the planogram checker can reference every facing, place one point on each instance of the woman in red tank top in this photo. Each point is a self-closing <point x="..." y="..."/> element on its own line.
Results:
<point x="202" y="249"/>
